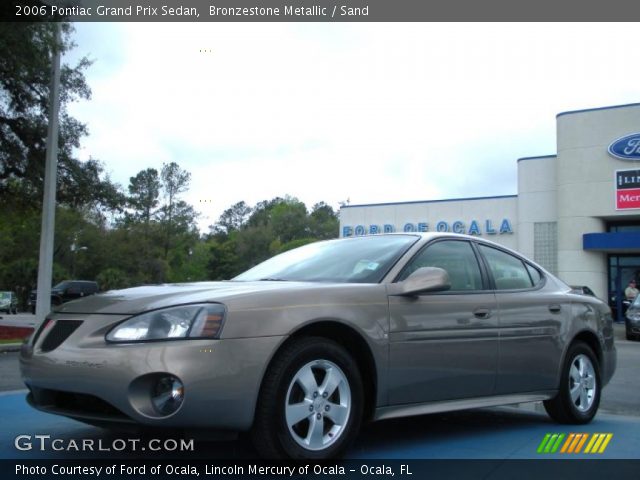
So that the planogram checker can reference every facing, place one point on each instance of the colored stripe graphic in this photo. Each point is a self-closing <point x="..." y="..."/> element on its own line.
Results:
<point x="551" y="442"/>
<point x="582" y="440"/>
<point x="574" y="443"/>
<point x="543" y="443"/>
<point x="599" y="443"/>
<point x="571" y="443"/>
<point x="606" y="442"/>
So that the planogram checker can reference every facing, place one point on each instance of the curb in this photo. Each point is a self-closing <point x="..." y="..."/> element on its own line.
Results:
<point x="10" y="347"/>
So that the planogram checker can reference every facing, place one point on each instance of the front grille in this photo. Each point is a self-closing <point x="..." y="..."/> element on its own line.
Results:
<point x="59" y="333"/>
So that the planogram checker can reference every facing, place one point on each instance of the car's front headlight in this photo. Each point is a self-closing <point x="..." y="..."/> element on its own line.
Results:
<point x="202" y="320"/>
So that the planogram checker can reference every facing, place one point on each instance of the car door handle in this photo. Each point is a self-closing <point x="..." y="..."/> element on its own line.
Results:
<point x="555" y="308"/>
<point x="482" y="313"/>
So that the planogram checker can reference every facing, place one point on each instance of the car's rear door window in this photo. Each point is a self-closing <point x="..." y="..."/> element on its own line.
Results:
<point x="509" y="272"/>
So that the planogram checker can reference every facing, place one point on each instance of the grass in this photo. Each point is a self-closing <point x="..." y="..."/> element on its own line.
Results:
<point x="4" y="341"/>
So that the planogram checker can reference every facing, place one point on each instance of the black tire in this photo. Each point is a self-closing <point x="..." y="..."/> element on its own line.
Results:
<point x="273" y="437"/>
<point x="563" y="408"/>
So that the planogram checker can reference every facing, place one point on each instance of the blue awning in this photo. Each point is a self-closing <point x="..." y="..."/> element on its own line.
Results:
<point x="625" y="242"/>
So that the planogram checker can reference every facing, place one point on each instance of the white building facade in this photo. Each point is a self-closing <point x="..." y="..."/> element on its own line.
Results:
<point x="576" y="213"/>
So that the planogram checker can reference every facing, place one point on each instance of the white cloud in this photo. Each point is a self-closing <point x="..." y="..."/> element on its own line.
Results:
<point x="373" y="112"/>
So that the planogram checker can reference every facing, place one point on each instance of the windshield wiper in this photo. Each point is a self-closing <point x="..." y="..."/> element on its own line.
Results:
<point x="273" y="280"/>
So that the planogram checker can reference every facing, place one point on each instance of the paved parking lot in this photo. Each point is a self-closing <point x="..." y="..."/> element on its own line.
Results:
<point x="497" y="433"/>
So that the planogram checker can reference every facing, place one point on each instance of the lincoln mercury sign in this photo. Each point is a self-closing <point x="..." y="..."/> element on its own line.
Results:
<point x="627" y="189"/>
<point x="472" y="227"/>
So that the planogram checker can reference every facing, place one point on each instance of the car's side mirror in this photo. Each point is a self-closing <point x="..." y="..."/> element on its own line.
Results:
<point x="423" y="280"/>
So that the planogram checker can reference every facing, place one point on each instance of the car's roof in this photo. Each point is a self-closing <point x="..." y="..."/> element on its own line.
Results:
<point x="425" y="236"/>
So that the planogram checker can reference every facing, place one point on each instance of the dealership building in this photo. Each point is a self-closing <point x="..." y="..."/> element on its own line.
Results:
<point x="576" y="213"/>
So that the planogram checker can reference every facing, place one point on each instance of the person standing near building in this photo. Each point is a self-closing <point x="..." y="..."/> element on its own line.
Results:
<point x="631" y="292"/>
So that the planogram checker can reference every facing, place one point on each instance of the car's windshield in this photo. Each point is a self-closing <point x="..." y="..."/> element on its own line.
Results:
<point x="61" y="286"/>
<point x="350" y="260"/>
<point x="5" y="295"/>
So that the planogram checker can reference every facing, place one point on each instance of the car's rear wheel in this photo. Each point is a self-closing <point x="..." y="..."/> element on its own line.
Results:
<point x="579" y="396"/>
<point x="310" y="403"/>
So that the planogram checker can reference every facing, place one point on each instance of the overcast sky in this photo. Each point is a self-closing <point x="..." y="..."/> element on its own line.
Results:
<point x="372" y="113"/>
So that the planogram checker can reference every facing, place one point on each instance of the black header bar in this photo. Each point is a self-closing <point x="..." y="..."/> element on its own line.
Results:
<point x="319" y="11"/>
<point x="330" y="470"/>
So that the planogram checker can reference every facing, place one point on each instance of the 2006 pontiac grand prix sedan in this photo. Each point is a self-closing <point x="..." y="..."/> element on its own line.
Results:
<point x="303" y="348"/>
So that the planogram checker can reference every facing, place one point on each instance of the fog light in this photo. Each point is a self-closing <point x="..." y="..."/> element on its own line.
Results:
<point x="167" y="395"/>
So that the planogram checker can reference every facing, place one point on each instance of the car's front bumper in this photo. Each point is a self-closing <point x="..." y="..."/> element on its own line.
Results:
<point x="632" y="326"/>
<point x="88" y="379"/>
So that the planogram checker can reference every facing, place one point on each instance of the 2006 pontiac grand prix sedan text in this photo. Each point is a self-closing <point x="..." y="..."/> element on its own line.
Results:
<point x="303" y="348"/>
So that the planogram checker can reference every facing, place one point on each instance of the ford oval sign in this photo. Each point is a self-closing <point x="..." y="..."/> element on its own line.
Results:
<point x="626" y="148"/>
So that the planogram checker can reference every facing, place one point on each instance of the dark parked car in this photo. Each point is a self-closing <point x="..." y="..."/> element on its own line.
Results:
<point x="632" y="320"/>
<point x="8" y="302"/>
<point x="66" y="291"/>
<point x="613" y="304"/>
<point x="303" y="348"/>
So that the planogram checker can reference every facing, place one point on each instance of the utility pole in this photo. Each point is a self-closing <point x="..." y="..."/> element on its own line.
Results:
<point x="47" y="230"/>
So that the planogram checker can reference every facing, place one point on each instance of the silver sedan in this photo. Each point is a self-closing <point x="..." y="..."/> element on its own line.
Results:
<point x="303" y="348"/>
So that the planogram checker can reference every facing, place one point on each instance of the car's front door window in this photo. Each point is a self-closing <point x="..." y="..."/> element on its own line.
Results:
<point x="454" y="256"/>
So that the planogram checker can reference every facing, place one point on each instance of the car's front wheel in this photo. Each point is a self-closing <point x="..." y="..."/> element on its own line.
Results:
<point x="310" y="403"/>
<point x="579" y="396"/>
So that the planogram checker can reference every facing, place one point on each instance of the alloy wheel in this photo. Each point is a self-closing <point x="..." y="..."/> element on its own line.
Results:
<point x="318" y="405"/>
<point x="582" y="382"/>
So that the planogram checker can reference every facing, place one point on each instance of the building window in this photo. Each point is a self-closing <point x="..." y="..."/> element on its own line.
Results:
<point x="545" y="245"/>
<point x="623" y="227"/>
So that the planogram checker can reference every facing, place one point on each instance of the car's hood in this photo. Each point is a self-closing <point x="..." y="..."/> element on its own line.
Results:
<point x="140" y="299"/>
